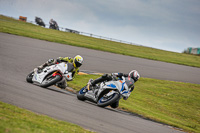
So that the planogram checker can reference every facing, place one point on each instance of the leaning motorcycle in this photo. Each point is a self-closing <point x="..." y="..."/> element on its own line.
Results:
<point x="106" y="93"/>
<point x="39" y="21"/>
<point x="53" y="25"/>
<point x="51" y="75"/>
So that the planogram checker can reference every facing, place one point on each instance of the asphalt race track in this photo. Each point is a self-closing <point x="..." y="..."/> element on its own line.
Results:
<point x="19" y="55"/>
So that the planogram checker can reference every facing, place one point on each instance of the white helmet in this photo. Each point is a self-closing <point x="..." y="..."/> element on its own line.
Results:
<point x="134" y="75"/>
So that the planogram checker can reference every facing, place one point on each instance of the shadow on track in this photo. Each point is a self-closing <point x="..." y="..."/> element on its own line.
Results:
<point x="56" y="89"/>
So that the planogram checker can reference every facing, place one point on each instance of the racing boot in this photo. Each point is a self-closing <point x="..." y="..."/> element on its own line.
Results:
<point x="89" y="85"/>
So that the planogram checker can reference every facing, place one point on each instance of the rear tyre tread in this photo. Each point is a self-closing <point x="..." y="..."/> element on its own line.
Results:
<point x="54" y="81"/>
<point x="107" y="103"/>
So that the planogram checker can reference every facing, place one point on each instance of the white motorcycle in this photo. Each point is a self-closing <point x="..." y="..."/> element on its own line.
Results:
<point x="108" y="92"/>
<point x="51" y="75"/>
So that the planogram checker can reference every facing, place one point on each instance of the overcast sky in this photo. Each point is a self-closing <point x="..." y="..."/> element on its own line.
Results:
<point x="172" y="25"/>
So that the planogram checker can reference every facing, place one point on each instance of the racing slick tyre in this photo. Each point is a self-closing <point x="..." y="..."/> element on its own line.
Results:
<point x="81" y="93"/>
<point x="115" y="104"/>
<point x="29" y="77"/>
<point x="50" y="80"/>
<point x="105" y="101"/>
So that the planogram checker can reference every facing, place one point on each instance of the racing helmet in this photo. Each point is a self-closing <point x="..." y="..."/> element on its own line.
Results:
<point x="134" y="75"/>
<point x="78" y="61"/>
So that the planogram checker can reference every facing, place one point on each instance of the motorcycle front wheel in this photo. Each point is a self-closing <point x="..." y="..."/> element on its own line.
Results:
<point x="81" y="93"/>
<point x="29" y="77"/>
<point x="50" y="80"/>
<point x="108" y="100"/>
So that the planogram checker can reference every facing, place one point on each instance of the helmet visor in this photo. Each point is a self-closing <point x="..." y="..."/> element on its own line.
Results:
<point x="77" y="64"/>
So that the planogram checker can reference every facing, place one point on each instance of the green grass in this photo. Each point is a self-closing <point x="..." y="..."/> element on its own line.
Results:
<point x="16" y="120"/>
<point x="12" y="26"/>
<point x="172" y="103"/>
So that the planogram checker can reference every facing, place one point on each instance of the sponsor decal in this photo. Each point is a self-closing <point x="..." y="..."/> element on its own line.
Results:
<point x="112" y="85"/>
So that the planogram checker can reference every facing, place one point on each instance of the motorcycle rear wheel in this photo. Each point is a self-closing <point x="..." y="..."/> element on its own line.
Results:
<point x="106" y="101"/>
<point x="50" y="80"/>
<point x="115" y="104"/>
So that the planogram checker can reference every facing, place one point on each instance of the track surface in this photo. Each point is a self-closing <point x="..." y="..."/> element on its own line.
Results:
<point x="19" y="55"/>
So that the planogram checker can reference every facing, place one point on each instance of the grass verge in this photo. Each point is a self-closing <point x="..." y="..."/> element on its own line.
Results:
<point x="173" y="103"/>
<point x="16" y="120"/>
<point x="12" y="26"/>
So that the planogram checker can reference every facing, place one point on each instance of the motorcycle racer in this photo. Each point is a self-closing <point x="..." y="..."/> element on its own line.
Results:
<point x="74" y="64"/>
<point x="130" y="78"/>
<point x="53" y="24"/>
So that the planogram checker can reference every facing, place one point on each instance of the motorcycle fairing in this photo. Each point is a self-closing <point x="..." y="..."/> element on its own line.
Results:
<point x="61" y="67"/>
<point x="39" y="77"/>
<point x="111" y="85"/>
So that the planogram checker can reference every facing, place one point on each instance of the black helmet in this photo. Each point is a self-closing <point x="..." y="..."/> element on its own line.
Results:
<point x="134" y="75"/>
